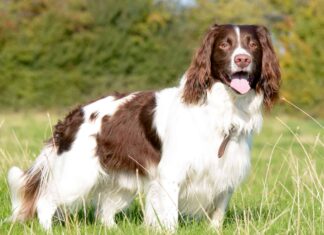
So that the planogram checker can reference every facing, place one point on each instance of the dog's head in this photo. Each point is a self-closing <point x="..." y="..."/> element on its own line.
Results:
<point x="242" y="57"/>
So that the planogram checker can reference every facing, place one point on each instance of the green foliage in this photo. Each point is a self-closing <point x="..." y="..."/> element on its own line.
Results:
<point x="59" y="53"/>
<point x="54" y="53"/>
<point x="300" y="34"/>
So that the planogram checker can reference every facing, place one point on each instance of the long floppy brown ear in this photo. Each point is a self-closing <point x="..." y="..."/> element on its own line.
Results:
<point x="270" y="75"/>
<point x="198" y="76"/>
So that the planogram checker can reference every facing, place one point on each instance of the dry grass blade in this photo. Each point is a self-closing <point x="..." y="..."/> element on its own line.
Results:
<point x="300" y="109"/>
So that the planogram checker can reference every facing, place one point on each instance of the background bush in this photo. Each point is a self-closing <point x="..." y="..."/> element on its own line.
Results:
<point x="59" y="53"/>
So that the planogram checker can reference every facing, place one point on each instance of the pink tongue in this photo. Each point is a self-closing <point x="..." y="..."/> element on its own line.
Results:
<point x="240" y="85"/>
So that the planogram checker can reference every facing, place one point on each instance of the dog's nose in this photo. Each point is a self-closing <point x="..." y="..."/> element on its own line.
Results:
<point x="242" y="60"/>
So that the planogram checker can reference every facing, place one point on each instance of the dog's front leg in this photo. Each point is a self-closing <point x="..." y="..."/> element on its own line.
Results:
<point x="161" y="210"/>
<point x="221" y="202"/>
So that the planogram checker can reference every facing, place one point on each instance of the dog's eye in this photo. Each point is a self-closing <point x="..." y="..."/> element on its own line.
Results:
<point x="224" y="45"/>
<point x="253" y="45"/>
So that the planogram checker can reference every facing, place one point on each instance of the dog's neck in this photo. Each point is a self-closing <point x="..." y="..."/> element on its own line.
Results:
<point x="242" y="113"/>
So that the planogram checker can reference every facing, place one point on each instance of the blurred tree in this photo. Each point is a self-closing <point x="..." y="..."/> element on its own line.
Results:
<point x="56" y="52"/>
<point x="302" y="54"/>
<point x="63" y="52"/>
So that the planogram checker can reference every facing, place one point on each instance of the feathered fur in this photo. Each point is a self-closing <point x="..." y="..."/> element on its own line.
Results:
<point x="164" y="143"/>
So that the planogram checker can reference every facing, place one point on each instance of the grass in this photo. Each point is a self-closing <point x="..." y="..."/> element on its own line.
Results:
<point x="284" y="193"/>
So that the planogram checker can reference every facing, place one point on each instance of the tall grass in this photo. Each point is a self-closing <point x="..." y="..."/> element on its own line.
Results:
<point x="284" y="193"/>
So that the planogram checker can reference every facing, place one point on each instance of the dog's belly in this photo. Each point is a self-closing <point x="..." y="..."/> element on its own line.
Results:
<point x="214" y="176"/>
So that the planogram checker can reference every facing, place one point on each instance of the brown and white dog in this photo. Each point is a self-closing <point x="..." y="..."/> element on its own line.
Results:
<point x="187" y="148"/>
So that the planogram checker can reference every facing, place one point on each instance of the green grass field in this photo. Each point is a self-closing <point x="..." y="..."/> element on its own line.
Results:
<point x="284" y="193"/>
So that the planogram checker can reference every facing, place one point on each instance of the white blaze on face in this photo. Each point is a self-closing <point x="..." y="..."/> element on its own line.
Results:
<point x="239" y="50"/>
<point x="239" y="82"/>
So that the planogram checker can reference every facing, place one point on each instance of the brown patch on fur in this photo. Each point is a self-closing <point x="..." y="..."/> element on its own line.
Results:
<point x="93" y="116"/>
<point x="30" y="192"/>
<point x="127" y="140"/>
<point x="105" y="119"/>
<point x="270" y="77"/>
<point x="65" y="131"/>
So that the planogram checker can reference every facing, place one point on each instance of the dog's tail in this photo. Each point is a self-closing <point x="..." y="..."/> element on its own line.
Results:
<point x="26" y="187"/>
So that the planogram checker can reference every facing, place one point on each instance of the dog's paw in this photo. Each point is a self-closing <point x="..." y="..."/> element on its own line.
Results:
<point x="216" y="224"/>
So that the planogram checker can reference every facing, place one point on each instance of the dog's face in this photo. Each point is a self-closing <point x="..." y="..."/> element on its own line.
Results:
<point x="237" y="57"/>
<point x="242" y="57"/>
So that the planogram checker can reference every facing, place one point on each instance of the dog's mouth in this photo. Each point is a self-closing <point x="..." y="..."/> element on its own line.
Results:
<point x="240" y="82"/>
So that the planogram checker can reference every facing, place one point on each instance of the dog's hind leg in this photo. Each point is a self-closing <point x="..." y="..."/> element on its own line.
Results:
<point x="53" y="180"/>
<point x="73" y="176"/>
<point x="46" y="208"/>
<point x="111" y="203"/>
<point x="15" y="182"/>
<point x="26" y="187"/>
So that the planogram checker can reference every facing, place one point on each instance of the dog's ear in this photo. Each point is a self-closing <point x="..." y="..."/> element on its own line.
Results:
<point x="270" y="75"/>
<point x="198" y="76"/>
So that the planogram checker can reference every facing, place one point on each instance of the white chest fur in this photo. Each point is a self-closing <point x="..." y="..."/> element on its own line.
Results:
<point x="210" y="176"/>
<point x="191" y="137"/>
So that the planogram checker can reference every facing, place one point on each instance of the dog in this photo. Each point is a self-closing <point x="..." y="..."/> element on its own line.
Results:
<point x="186" y="148"/>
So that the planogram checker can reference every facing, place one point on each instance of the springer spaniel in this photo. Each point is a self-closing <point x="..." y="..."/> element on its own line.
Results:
<point x="187" y="148"/>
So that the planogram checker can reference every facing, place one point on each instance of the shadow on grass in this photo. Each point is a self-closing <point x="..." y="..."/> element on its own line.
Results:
<point x="134" y="216"/>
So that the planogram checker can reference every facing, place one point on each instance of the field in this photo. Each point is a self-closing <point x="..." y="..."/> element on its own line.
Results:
<point x="284" y="193"/>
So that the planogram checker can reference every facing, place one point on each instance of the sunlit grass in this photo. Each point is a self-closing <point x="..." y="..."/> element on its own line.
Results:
<point x="284" y="194"/>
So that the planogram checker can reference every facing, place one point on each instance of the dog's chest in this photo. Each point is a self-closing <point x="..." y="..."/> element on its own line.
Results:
<point x="209" y="176"/>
